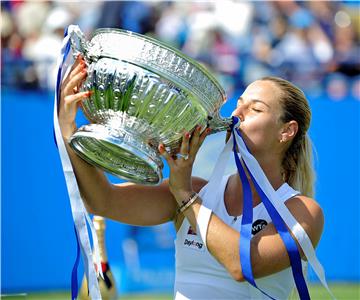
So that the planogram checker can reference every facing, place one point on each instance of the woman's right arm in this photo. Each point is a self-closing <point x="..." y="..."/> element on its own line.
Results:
<point x="128" y="203"/>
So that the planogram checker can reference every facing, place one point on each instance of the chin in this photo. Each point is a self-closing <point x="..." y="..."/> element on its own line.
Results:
<point x="228" y="134"/>
<point x="249" y="144"/>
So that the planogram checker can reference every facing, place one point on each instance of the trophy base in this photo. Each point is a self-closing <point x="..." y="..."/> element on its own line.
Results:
<point x="119" y="153"/>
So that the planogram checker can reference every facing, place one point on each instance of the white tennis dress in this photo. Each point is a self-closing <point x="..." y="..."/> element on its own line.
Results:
<point x="200" y="276"/>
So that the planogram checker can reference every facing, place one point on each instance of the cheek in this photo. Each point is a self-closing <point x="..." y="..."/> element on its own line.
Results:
<point x="255" y="125"/>
<point x="259" y="132"/>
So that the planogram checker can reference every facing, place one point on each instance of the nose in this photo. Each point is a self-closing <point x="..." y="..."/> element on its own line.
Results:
<point x="239" y="112"/>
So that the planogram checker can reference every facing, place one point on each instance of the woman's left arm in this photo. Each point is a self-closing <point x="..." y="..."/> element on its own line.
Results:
<point x="268" y="253"/>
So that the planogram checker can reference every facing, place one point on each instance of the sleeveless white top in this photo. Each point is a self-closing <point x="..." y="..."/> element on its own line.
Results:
<point x="199" y="275"/>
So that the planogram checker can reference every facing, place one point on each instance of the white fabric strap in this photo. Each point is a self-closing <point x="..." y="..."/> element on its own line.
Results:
<point x="296" y="229"/>
<point x="202" y="220"/>
<point x="219" y="170"/>
<point x="79" y="212"/>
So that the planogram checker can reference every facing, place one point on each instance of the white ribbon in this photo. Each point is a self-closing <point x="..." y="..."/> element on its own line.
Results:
<point x="296" y="229"/>
<point x="202" y="221"/>
<point x="259" y="175"/>
<point x="79" y="213"/>
<point x="219" y="170"/>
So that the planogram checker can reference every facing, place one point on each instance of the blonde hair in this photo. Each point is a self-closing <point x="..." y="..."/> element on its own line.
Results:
<point x="298" y="159"/>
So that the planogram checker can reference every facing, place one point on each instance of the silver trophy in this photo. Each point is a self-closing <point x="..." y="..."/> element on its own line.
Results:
<point x="144" y="93"/>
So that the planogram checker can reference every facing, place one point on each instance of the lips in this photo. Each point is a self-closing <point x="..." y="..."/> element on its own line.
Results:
<point x="228" y="132"/>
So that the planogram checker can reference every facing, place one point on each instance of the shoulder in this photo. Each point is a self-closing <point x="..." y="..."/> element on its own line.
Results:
<point x="305" y="206"/>
<point x="309" y="214"/>
<point x="198" y="183"/>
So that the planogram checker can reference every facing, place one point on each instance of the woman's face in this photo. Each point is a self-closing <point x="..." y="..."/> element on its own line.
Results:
<point x="259" y="110"/>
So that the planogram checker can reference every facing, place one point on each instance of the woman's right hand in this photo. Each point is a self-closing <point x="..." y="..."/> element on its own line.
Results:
<point x="70" y="98"/>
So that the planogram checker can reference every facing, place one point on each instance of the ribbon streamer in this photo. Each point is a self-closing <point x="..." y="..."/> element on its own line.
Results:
<point x="246" y="222"/>
<point x="262" y="182"/>
<point x="296" y="229"/>
<point x="245" y="234"/>
<point x="80" y="215"/>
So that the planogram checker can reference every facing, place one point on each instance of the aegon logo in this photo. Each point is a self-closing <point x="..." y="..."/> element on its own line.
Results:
<point x="191" y="231"/>
<point x="193" y="244"/>
<point x="258" y="225"/>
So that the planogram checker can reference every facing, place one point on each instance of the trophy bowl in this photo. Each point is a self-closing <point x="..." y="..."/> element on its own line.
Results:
<point x="144" y="93"/>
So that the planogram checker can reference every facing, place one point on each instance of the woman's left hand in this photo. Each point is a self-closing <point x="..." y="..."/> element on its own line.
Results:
<point x="182" y="164"/>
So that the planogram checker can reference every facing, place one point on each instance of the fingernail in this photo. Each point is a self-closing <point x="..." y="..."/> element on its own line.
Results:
<point x="187" y="135"/>
<point x="78" y="56"/>
<point x="208" y="130"/>
<point x="84" y="71"/>
<point x="198" y="128"/>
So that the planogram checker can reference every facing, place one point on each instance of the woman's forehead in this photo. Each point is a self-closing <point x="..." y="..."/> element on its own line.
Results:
<point x="263" y="90"/>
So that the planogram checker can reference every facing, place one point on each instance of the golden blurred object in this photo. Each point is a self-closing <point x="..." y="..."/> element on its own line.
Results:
<point x="107" y="285"/>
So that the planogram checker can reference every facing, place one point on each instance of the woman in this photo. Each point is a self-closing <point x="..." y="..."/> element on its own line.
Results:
<point x="275" y="117"/>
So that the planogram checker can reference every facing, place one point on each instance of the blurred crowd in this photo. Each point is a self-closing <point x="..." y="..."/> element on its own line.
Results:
<point x="314" y="44"/>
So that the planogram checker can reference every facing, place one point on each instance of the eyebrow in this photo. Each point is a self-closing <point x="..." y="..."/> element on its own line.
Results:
<point x="254" y="100"/>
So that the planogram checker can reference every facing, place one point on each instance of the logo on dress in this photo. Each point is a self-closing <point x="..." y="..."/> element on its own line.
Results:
<point x="193" y="241"/>
<point x="258" y="225"/>
<point x="191" y="231"/>
<point x="193" y="244"/>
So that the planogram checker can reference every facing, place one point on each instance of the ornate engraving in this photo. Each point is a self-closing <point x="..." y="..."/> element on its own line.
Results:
<point x="144" y="93"/>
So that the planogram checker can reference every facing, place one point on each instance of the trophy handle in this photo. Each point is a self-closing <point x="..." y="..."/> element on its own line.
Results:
<point x="218" y="124"/>
<point x="90" y="51"/>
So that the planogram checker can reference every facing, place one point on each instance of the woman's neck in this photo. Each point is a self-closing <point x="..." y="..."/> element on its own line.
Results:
<point x="273" y="172"/>
<point x="234" y="188"/>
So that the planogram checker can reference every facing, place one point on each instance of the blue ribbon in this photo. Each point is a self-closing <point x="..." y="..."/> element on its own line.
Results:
<point x="64" y="52"/>
<point x="246" y="221"/>
<point x="246" y="226"/>
<point x="74" y="281"/>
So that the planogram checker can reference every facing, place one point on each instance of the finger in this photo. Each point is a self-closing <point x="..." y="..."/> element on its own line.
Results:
<point x="201" y="140"/>
<point x="184" y="148"/>
<point x="166" y="155"/>
<point x="77" y="66"/>
<point x="204" y="135"/>
<point x="74" y="82"/>
<point x="72" y="99"/>
<point x="79" y="60"/>
<point x="75" y="90"/>
<point x="194" y="141"/>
